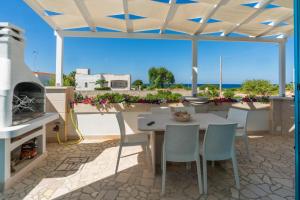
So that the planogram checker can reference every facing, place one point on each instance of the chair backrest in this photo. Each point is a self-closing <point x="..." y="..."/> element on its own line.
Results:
<point x="121" y="123"/>
<point x="181" y="143"/>
<point x="161" y="110"/>
<point x="238" y="116"/>
<point x="219" y="141"/>
<point x="188" y="109"/>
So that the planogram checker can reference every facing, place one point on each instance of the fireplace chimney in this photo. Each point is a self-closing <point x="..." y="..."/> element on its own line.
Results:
<point x="13" y="69"/>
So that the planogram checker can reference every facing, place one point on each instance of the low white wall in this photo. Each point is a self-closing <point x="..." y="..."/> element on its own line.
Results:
<point x="96" y="124"/>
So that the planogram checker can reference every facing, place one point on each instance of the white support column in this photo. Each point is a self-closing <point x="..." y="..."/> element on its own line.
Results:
<point x="59" y="59"/>
<point x="194" y="67"/>
<point x="282" y="68"/>
<point x="5" y="163"/>
<point x="221" y="78"/>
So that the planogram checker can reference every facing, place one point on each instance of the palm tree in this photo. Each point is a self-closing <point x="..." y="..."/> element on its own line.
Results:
<point x="138" y="84"/>
<point x="101" y="82"/>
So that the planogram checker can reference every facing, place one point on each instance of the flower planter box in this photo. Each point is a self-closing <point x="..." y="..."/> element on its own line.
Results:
<point x="225" y="106"/>
<point x="121" y="107"/>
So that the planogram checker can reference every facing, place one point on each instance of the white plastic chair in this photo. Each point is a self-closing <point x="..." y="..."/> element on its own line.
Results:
<point x="241" y="117"/>
<point x="189" y="109"/>
<point x="218" y="144"/>
<point x="129" y="140"/>
<point x="161" y="110"/>
<point x="181" y="144"/>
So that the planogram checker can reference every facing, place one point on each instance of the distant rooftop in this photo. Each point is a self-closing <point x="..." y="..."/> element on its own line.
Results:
<point x="87" y="71"/>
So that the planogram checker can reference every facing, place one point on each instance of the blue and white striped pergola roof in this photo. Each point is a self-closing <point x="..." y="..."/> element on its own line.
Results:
<point x="179" y="19"/>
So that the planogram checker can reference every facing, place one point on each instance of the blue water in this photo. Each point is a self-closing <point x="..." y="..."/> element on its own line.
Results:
<point x="227" y="86"/>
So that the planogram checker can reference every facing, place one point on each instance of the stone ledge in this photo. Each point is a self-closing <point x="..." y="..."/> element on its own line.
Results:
<point x="274" y="98"/>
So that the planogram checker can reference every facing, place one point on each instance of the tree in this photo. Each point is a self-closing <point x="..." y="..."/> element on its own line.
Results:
<point x="159" y="77"/>
<point x="258" y="87"/>
<point x="51" y="81"/>
<point x="138" y="84"/>
<point x="68" y="80"/>
<point x="101" y="82"/>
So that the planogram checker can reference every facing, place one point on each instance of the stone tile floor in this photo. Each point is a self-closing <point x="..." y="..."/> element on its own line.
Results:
<point x="86" y="171"/>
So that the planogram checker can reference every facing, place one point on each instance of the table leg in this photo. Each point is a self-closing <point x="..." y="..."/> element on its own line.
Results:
<point x="152" y="150"/>
<point x="156" y="142"/>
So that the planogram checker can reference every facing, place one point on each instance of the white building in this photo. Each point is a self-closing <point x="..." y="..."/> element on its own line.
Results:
<point x="87" y="81"/>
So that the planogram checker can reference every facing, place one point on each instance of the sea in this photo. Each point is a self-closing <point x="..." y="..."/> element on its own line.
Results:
<point x="225" y="86"/>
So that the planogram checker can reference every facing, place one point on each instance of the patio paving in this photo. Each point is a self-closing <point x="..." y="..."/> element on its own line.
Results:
<point x="86" y="171"/>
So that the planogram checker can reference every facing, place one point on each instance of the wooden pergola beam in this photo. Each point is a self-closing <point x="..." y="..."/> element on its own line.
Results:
<point x="170" y="15"/>
<point x="129" y="26"/>
<point x="90" y="34"/>
<point x="35" y="5"/>
<point x="258" y="9"/>
<point x="85" y="14"/>
<point x="203" y="21"/>
<point x="274" y="24"/>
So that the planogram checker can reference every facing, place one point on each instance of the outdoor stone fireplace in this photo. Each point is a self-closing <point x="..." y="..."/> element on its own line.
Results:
<point x="22" y="110"/>
<point x="22" y="94"/>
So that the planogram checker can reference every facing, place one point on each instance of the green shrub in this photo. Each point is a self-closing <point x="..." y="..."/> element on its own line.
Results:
<point x="78" y="97"/>
<point x="228" y="93"/>
<point x="258" y="87"/>
<point x="238" y="97"/>
<point x="151" y="88"/>
<point x="290" y="87"/>
<point x="210" y="92"/>
<point x="138" y="84"/>
<point x="131" y="99"/>
<point x="111" y="97"/>
<point x="179" y="86"/>
<point x="151" y="98"/>
<point x="159" y="97"/>
<point x="202" y="94"/>
<point x="209" y="87"/>
<point x="169" y="96"/>
<point x="102" y="88"/>
<point x="163" y="96"/>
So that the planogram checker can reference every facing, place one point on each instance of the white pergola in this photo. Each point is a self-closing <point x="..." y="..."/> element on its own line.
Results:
<point x="269" y="21"/>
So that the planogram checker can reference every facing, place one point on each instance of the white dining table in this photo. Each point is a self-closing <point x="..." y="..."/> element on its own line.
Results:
<point x="156" y="130"/>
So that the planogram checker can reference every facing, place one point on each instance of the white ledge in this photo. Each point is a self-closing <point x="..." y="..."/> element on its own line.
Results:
<point x="15" y="131"/>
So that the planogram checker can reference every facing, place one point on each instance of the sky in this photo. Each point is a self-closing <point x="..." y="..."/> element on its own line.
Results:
<point x="241" y="60"/>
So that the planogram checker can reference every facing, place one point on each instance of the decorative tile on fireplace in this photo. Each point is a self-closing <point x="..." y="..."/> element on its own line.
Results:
<point x="72" y="164"/>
